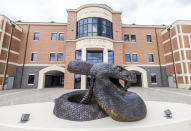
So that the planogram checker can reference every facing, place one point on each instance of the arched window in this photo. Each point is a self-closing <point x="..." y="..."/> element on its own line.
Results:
<point x="94" y="26"/>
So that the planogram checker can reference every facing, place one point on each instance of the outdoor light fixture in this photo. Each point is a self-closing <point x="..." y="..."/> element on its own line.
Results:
<point x="168" y="114"/>
<point x="25" y="117"/>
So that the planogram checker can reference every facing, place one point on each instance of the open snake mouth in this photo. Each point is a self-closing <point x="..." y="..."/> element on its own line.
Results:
<point x="121" y="90"/>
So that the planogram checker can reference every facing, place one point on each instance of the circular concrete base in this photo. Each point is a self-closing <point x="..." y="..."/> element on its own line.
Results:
<point x="43" y="119"/>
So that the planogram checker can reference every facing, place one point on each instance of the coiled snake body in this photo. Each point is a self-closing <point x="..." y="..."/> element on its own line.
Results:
<point x="106" y="96"/>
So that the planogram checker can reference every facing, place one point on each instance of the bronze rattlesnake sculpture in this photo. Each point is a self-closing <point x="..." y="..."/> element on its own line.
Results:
<point x="106" y="96"/>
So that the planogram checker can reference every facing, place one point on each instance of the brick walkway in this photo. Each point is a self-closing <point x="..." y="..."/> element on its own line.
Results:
<point x="23" y="96"/>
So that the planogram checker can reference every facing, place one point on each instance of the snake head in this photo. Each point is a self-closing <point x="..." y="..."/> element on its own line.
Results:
<point x="120" y="73"/>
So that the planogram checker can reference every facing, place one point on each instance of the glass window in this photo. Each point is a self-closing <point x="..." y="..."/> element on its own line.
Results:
<point x="85" y="21"/>
<point x="60" y="56"/>
<point x="34" y="57"/>
<point x="94" y="20"/>
<point x="151" y="58"/>
<point x="94" y="27"/>
<point x="54" y="36"/>
<point x="78" y="54"/>
<point x="95" y="56"/>
<point x="127" y="58"/>
<point x="149" y="39"/>
<point x="77" y="81"/>
<point x="89" y="27"/>
<point x="36" y="36"/>
<point x="52" y="56"/>
<point x="85" y="29"/>
<point x="30" y="79"/>
<point x="134" y="57"/>
<point x="110" y="57"/>
<point x="126" y="37"/>
<point x="153" y="78"/>
<point x="61" y="36"/>
<point x="89" y="20"/>
<point x="133" y="38"/>
<point x="81" y="22"/>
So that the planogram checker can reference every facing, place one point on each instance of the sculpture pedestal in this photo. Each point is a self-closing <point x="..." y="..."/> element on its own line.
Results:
<point x="43" y="119"/>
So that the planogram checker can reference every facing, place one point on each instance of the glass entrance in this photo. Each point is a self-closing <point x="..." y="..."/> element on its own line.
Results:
<point x="93" y="57"/>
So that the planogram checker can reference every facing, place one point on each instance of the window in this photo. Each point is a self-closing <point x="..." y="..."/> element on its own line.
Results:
<point x="34" y="57"/>
<point x="54" y="36"/>
<point x="78" y="54"/>
<point x="134" y="57"/>
<point x="127" y="58"/>
<point x="52" y="56"/>
<point x="94" y="56"/>
<point x="94" y="26"/>
<point x="149" y="39"/>
<point x="133" y="38"/>
<point x="151" y="58"/>
<point x="153" y="78"/>
<point x="60" y="57"/>
<point x="61" y="36"/>
<point x="77" y="81"/>
<point x="36" y="35"/>
<point x="126" y="38"/>
<point x="31" y="79"/>
<point x="110" y="57"/>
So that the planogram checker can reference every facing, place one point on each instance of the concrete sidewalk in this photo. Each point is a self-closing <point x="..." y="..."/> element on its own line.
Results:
<point x="23" y="96"/>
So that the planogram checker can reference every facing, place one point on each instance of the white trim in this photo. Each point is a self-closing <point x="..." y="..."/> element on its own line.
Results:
<point x="12" y="36"/>
<point x="177" y="35"/>
<point x="42" y="72"/>
<point x="12" y="63"/>
<point x="177" y="62"/>
<point x="188" y="74"/>
<point x="180" y="53"/>
<point x="185" y="55"/>
<point x="177" y="50"/>
<point x="151" y="26"/>
<point x="143" y="74"/>
<point x="58" y="64"/>
<point x="2" y="33"/>
<point x="40" y="23"/>
<point x="30" y="84"/>
<point x="127" y="64"/>
<point x="1" y="75"/>
<point x="14" y="52"/>
<point x="189" y="38"/>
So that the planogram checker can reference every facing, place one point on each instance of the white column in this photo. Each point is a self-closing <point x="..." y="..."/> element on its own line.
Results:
<point x="105" y="55"/>
<point x="83" y="77"/>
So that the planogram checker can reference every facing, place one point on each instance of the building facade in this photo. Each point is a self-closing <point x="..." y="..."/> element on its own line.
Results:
<point x="36" y="55"/>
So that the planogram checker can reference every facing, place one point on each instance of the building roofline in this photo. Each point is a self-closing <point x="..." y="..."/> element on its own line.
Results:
<point x="41" y="23"/>
<point x="182" y="22"/>
<point x="95" y="5"/>
<point x="140" y="26"/>
<point x="12" y="22"/>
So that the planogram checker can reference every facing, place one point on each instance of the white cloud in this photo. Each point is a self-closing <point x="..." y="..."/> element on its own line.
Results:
<point x="146" y="12"/>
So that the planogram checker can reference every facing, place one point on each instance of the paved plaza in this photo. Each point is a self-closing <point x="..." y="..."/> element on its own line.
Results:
<point x="23" y="96"/>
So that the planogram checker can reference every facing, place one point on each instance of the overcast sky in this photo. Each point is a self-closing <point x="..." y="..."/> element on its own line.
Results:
<point x="144" y="12"/>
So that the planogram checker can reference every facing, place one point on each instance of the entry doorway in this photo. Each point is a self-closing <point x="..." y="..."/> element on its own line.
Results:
<point x="54" y="79"/>
<point x="139" y="80"/>
<point x="93" y="57"/>
<point x="171" y="81"/>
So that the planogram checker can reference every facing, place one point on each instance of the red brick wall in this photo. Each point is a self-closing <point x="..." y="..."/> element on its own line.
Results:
<point x="142" y="47"/>
<point x="71" y="26"/>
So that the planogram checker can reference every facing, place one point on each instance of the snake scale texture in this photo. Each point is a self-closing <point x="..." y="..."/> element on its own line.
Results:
<point x="105" y="97"/>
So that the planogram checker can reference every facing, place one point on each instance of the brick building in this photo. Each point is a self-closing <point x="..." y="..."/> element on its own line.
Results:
<point x="36" y="55"/>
